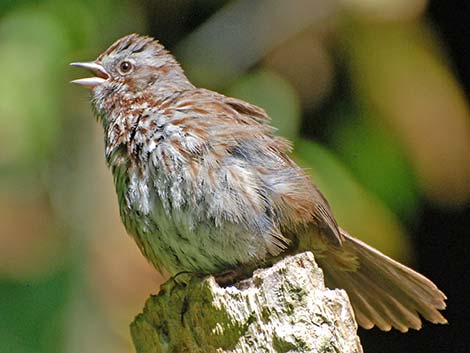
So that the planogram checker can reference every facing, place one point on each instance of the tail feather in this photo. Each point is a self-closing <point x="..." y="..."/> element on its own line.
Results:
<point x="383" y="292"/>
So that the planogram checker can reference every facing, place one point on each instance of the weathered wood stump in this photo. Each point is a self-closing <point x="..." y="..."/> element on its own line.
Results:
<point x="284" y="308"/>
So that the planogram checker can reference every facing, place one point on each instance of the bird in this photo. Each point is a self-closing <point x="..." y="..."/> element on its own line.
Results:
<point x="204" y="185"/>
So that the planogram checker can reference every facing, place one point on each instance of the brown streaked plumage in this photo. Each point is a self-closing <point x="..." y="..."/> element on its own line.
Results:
<point x="205" y="186"/>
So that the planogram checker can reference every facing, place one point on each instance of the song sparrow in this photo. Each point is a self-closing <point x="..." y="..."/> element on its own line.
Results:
<point x="205" y="186"/>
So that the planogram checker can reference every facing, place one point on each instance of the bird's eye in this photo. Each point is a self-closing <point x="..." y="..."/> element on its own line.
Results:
<point x="125" y="67"/>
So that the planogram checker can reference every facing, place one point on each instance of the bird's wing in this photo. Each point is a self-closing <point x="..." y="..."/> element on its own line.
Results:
<point x="240" y="130"/>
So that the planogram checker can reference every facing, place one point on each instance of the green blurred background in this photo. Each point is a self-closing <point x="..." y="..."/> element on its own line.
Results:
<point x="373" y="93"/>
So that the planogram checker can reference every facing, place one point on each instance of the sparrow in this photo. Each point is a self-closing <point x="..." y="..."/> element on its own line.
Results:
<point x="205" y="186"/>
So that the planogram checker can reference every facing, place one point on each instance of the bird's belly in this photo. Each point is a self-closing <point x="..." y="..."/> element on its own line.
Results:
<point x="177" y="242"/>
<point x="181" y="237"/>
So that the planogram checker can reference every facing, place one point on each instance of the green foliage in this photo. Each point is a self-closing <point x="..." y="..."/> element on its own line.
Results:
<point x="275" y="94"/>
<point x="32" y="314"/>
<point x="376" y="158"/>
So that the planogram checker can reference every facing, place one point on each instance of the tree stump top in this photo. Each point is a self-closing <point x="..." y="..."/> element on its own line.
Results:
<point x="284" y="308"/>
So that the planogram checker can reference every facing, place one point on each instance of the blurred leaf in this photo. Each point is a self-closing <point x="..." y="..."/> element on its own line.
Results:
<point x="402" y="78"/>
<point x="273" y="93"/>
<point x="377" y="160"/>
<point x="32" y="43"/>
<point x="240" y="34"/>
<point x="306" y="63"/>
<point x="356" y="210"/>
<point x="386" y="10"/>
<point x="31" y="313"/>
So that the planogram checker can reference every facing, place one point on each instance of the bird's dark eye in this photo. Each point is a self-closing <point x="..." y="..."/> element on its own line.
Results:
<point x="125" y="67"/>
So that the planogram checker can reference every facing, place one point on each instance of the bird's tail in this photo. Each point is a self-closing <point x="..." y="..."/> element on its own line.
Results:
<point x="383" y="292"/>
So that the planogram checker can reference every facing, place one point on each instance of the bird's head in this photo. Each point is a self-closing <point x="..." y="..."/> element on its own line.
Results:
<point x="132" y="66"/>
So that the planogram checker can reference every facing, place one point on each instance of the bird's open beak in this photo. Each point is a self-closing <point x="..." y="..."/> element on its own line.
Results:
<point x="91" y="82"/>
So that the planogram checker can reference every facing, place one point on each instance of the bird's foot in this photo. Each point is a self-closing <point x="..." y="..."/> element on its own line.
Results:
<point x="180" y="280"/>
